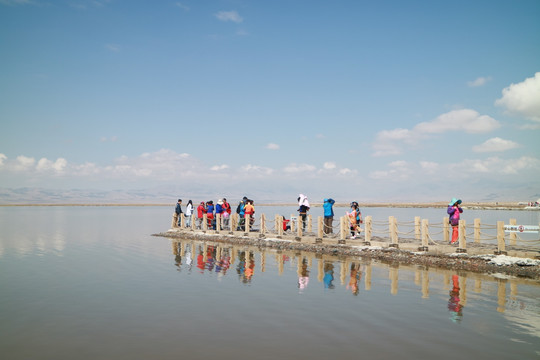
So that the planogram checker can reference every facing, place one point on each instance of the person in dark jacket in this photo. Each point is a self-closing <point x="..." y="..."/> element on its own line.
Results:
<point x="178" y="211"/>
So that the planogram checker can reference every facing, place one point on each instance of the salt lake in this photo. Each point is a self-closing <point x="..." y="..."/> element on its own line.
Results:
<point x="93" y="283"/>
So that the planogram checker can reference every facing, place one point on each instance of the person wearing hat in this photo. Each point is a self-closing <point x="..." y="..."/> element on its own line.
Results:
<point x="454" y="210"/>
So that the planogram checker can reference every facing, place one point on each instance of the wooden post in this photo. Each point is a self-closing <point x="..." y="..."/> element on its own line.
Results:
<point x="299" y="229"/>
<point x="394" y="271"/>
<point x="425" y="235"/>
<point x="218" y="223"/>
<point x="392" y="225"/>
<point x="280" y="226"/>
<point x="368" y="230"/>
<point x="501" y="295"/>
<point x="477" y="230"/>
<point x="501" y="247"/>
<point x="462" y="237"/>
<point x="193" y="221"/>
<point x="513" y="235"/>
<point x="417" y="228"/>
<point x="368" y="277"/>
<point x="234" y="222"/>
<point x="205" y="222"/>
<point x="446" y="230"/>
<point x="320" y="226"/>
<point x="247" y="224"/>
<point x="182" y="221"/>
<point x="174" y="223"/>
<point x="263" y="226"/>
<point x="309" y="224"/>
<point x="425" y="284"/>
<point x="343" y="230"/>
<point x="292" y="223"/>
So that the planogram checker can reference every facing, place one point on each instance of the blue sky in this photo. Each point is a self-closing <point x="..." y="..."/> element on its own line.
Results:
<point x="363" y="100"/>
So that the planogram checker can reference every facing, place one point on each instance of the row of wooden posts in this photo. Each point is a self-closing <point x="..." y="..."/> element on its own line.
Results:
<point x="421" y="229"/>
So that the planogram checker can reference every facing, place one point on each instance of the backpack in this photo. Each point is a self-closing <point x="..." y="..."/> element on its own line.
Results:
<point x="239" y="207"/>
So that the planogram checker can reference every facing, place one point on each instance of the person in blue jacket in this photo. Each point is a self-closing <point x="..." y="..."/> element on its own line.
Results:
<point x="210" y="215"/>
<point x="328" y="215"/>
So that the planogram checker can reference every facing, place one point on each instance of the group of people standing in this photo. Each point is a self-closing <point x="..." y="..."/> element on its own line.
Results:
<point x="221" y="207"/>
<point x="246" y="210"/>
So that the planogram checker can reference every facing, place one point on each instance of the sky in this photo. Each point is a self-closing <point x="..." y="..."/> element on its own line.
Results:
<point x="379" y="101"/>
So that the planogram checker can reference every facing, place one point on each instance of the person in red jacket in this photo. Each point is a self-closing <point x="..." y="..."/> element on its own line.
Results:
<point x="201" y="210"/>
<point x="226" y="207"/>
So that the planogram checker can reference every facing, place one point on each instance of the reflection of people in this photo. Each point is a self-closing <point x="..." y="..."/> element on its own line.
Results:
<point x="178" y="211"/>
<point x="328" y="275"/>
<point x="328" y="215"/>
<point x="454" y="211"/>
<point x="178" y="257"/>
<point x="455" y="308"/>
<point x="356" y="274"/>
<point x="303" y="204"/>
<point x="250" y="267"/>
<point x="303" y="276"/>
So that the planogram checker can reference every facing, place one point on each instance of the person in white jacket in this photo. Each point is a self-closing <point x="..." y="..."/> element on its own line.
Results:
<point x="189" y="213"/>
<point x="303" y="204"/>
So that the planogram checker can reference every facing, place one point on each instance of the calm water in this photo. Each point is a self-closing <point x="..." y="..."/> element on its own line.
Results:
<point x="92" y="283"/>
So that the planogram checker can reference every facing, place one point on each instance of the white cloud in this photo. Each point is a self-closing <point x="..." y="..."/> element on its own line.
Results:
<point x="45" y="165"/>
<point x="523" y="98"/>
<point x="256" y="170"/>
<point x="495" y="144"/>
<point x="300" y="168"/>
<point x="17" y="2"/>
<point x="182" y="6"/>
<point x="329" y="165"/>
<point x="345" y="171"/>
<point x="429" y="166"/>
<point x="466" y="120"/>
<point x="2" y="159"/>
<point x="24" y="163"/>
<point x="272" y="146"/>
<point x="496" y="165"/>
<point x="398" y="171"/>
<point x="390" y="142"/>
<point x="219" y="167"/>
<point x="229" y="16"/>
<point x="113" y="47"/>
<point x="106" y="139"/>
<point x="479" y="81"/>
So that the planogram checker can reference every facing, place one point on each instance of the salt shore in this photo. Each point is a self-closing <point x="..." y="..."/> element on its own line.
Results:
<point x="520" y="264"/>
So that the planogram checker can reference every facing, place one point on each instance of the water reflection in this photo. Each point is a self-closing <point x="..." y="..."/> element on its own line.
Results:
<point x="455" y="308"/>
<point x="335" y="273"/>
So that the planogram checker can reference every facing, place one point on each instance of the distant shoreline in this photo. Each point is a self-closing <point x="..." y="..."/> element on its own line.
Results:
<point x="471" y="205"/>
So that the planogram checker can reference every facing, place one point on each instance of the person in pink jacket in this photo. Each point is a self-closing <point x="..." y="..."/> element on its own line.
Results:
<point x="454" y="211"/>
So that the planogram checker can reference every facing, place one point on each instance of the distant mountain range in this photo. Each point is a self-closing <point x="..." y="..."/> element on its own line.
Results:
<point x="170" y="194"/>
